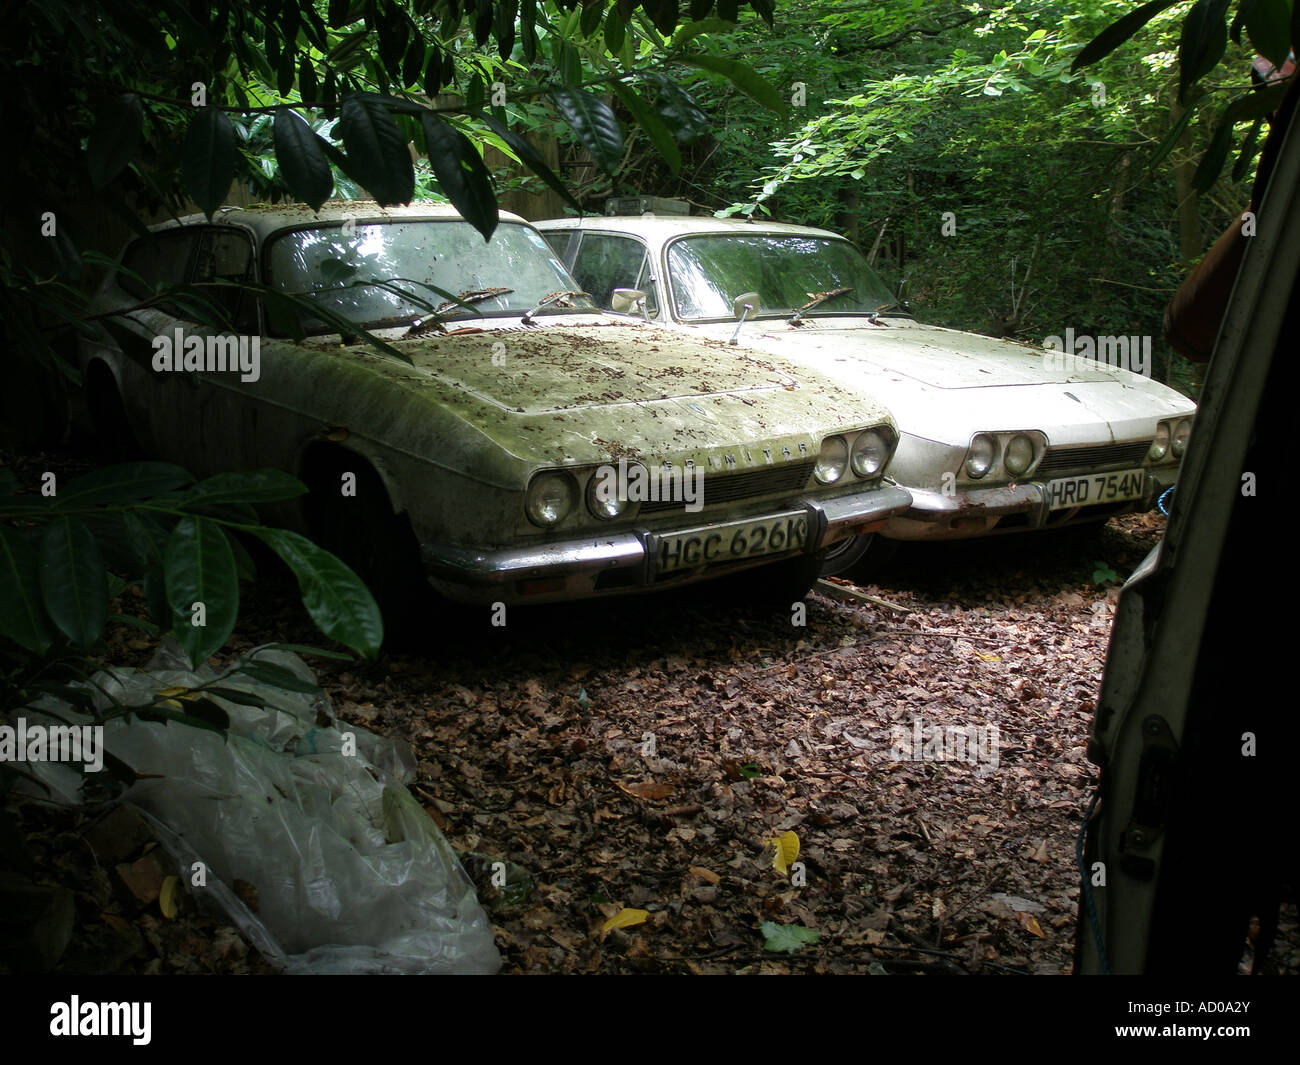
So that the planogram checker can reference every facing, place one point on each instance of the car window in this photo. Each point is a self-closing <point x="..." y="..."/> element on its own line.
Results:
<point x="391" y="273"/>
<point x="561" y="241"/>
<point x="227" y="255"/>
<point x="707" y="272"/>
<point x="606" y="261"/>
<point x="160" y="258"/>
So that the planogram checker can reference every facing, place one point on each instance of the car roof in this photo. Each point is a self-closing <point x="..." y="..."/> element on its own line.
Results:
<point x="266" y="218"/>
<point x="665" y="227"/>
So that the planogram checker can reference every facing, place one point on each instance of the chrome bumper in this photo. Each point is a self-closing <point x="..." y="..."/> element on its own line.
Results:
<point x="624" y="562"/>
<point x="978" y="511"/>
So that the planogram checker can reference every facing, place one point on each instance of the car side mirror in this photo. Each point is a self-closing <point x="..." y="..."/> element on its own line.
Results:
<point x="627" y="300"/>
<point x="743" y="306"/>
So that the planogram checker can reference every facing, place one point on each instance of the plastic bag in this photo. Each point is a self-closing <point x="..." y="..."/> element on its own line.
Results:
<point x="352" y="876"/>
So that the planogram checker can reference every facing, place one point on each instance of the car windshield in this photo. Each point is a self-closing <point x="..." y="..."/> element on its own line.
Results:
<point x="381" y="274"/>
<point x="787" y="271"/>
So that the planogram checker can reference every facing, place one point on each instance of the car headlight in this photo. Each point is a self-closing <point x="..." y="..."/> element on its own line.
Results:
<point x="604" y="499"/>
<point x="1182" y="434"/>
<point x="549" y="499"/>
<point x="1160" y="445"/>
<point x="870" y="453"/>
<point x="979" y="459"/>
<point x="832" y="461"/>
<point x="1020" y="454"/>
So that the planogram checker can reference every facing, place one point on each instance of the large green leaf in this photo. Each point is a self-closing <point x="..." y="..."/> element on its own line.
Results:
<point x="531" y="158"/>
<point x="22" y="613"/>
<point x="1268" y="24"/>
<point x="1118" y="32"/>
<point x="200" y="568"/>
<point x="276" y="676"/>
<point x="74" y="585"/>
<point x="125" y="482"/>
<point x="654" y="126"/>
<point x="208" y="159"/>
<point x="1202" y="42"/>
<point x="115" y="138"/>
<point x="744" y="78"/>
<point x="1215" y="156"/>
<point x="461" y="173"/>
<point x="249" y="486"/>
<point x="334" y="596"/>
<point x="302" y="159"/>
<point x="377" y="153"/>
<point x="594" y="124"/>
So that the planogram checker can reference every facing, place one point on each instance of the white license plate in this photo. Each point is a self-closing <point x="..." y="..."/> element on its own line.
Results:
<point x="729" y="542"/>
<point x="1092" y="488"/>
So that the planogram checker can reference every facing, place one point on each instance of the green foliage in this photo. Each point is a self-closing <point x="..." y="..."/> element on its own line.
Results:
<point x="150" y="524"/>
<point x="1102" y="573"/>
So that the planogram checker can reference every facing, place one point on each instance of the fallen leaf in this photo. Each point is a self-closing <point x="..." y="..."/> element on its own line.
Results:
<point x="625" y="918"/>
<point x="167" y="896"/>
<point x="785" y="851"/>
<point x="1031" y="923"/>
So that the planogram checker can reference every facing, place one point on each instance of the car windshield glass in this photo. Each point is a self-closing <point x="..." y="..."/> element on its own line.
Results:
<point x="708" y="272"/>
<point x="391" y="273"/>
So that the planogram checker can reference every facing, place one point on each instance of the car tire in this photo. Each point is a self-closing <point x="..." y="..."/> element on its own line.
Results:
<point x="376" y="543"/>
<point x="777" y="586"/>
<point x="860" y="558"/>
<point x="108" y="415"/>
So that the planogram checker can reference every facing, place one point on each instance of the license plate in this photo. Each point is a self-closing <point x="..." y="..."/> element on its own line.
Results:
<point x="729" y="542"/>
<point x="1092" y="488"/>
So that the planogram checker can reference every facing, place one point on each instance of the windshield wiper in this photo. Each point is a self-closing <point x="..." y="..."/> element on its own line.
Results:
<point x="473" y="296"/>
<point x="817" y="301"/>
<point x="885" y="309"/>
<point x="553" y="298"/>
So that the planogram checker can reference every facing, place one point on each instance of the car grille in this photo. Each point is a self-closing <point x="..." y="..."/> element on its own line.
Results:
<point x="729" y="487"/>
<point x="1099" y="456"/>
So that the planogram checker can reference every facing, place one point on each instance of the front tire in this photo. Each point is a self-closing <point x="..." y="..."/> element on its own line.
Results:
<point x="861" y="558"/>
<point x="377" y="544"/>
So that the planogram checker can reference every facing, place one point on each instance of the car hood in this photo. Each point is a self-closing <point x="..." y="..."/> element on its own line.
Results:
<point x="946" y="384"/>
<point x="584" y="393"/>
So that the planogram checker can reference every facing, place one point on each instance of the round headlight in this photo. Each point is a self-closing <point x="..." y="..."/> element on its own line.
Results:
<point x="549" y="499"/>
<point x="1020" y="454"/>
<point x="1160" y="444"/>
<point x="870" y="453"/>
<point x="606" y="498"/>
<point x="979" y="459"/>
<point x="1182" y="434"/>
<point x="833" y="459"/>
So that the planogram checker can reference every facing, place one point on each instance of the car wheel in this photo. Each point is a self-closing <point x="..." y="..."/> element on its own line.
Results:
<point x="776" y="586"/>
<point x="859" y="558"/>
<point x="377" y="544"/>
<point x="844" y="555"/>
<point x="108" y="415"/>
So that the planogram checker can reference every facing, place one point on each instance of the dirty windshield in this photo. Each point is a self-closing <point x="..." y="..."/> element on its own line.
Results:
<point x="708" y="272"/>
<point x="393" y="273"/>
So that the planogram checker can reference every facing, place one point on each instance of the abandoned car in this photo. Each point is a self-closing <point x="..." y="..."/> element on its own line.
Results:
<point x="514" y="443"/>
<point x="996" y="436"/>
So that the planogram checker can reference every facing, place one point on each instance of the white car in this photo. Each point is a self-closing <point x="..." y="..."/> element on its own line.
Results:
<point x="997" y="436"/>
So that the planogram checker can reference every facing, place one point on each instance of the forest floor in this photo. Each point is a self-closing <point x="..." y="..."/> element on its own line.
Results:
<point x="643" y="753"/>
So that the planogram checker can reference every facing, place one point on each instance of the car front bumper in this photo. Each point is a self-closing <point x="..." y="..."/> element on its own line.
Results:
<point x="625" y="562"/>
<point x="1009" y="508"/>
